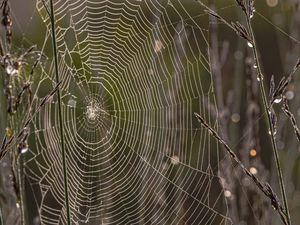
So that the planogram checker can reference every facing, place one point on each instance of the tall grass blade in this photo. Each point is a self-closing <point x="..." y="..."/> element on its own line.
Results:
<point x="269" y="119"/>
<point x="64" y="163"/>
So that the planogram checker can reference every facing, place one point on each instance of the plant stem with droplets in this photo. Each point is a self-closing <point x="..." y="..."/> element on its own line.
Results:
<point x="272" y="136"/>
<point x="64" y="163"/>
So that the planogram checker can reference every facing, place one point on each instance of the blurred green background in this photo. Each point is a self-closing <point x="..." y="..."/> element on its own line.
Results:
<point x="276" y="26"/>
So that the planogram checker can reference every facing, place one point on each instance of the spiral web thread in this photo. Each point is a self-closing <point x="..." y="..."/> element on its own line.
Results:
<point x="133" y="73"/>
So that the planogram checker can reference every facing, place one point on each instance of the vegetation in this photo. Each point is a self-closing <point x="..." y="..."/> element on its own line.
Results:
<point x="150" y="112"/>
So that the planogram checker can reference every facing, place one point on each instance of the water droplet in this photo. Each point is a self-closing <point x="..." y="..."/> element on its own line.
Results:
<point x="253" y="170"/>
<point x="278" y="100"/>
<point x="254" y="66"/>
<point x="18" y="205"/>
<point x="250" y="44"/>
<point x="274" y="132"/>
<point x="24" y="150"/>
<point x="259" y="77"/>
<point x="227" y="194"/>
<point x="11" y="70"/>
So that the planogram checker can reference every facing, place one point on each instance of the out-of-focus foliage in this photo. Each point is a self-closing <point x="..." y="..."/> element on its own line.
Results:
<point x="239" y="112"/>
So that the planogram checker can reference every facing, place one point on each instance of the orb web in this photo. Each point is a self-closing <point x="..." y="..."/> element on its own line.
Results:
<point x="133" y="73"/>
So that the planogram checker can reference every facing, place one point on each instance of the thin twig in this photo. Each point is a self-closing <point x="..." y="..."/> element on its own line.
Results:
<point x="264" y="187"/>
<point x="287" y="111"/>
<point x="237" y="27"/>
<point x="284" y="82"/>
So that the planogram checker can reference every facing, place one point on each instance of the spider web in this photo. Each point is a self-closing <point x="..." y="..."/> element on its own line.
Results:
<point x="133" y="73"/>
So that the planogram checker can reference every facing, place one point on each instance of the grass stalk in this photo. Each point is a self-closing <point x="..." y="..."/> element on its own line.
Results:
<point x="269" y="119"/>
<point x="64" y="163"/>
<point x="264" y="187"/>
